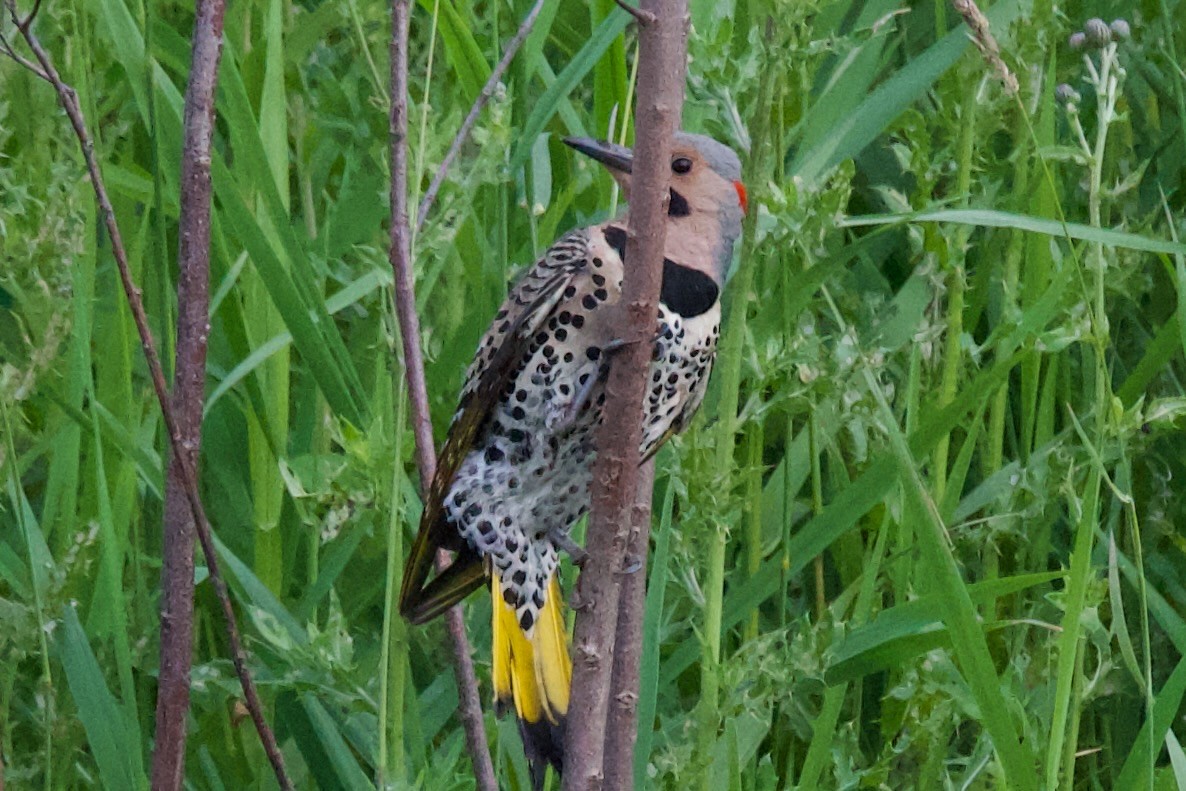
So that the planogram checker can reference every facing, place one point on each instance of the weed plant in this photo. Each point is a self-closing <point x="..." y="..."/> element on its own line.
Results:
<point x="927" y="532"/>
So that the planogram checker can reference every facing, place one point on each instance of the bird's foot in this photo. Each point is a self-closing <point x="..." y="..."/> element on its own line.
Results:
<point x="631" y="564"/>
<point x="564" y="542"/>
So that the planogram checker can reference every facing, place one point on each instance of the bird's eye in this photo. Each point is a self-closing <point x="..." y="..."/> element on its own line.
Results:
<point x="681" y="165"/>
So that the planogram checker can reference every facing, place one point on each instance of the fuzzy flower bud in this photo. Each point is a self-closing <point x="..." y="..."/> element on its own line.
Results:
<point x="1098" y="33"/>
<point x="1078" y="41"/>
<point x="1066" y="94"/>
<point x="1120" y="30"/>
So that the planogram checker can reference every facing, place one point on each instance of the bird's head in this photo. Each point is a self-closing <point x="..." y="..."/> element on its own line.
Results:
<point x="706" y="187"/>
<point x="705" y="174"/>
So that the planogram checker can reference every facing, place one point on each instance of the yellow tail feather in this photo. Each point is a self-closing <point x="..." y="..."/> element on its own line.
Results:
<point x="533" y="672"/>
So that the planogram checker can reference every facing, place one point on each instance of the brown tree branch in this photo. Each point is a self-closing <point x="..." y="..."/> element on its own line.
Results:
<point x="69" y="100"/>
<point x="471" y="117"/>
<point x="469" y="703"/>
<point x="615" y="502"/>
<point x="193" y="327"/>
<point x="621" y="730"/>
<point x="29" y="65"/>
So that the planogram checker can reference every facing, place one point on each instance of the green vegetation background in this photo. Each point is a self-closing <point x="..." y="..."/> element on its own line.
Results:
<point x="941" y="541"/>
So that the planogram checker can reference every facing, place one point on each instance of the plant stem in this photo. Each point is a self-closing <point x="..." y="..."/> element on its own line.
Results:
<point x="616" y="503"/>
<point x="68" y="98"/>
<point x="469" y="706"/>
<point x="394" y="652"/>
<point x="1064" y="722"/>
<point x="37" y="576"/>
<point x="752" y="511"/>
<point x="729" y="376"/>
<point x="956" y="287"/>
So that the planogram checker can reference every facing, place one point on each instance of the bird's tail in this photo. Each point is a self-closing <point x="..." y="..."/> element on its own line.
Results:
<point x="533" y="673"/>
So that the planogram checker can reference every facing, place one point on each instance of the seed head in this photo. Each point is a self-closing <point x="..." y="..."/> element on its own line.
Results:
<point x="1120" y="30"/>
<point x="1066" y="94"/>
<point x="1098" y="33"/>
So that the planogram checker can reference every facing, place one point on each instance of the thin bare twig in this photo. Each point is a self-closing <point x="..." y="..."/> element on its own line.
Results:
<point x="643" y="18"/>
<point x="24" y="62"/>
<point x="616" y="504"/>
<point x="69" y="100"/>
<point x="193" y="328"/>
<point x="471" y="118"/>
<point x="23" y="26"/>
<point x="469" y="703"/>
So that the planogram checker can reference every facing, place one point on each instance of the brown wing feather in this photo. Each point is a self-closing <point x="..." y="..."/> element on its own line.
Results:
<point x="528" y="306"/>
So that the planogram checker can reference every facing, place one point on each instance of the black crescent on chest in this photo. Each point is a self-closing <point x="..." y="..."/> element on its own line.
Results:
<point x="686" y="291"/>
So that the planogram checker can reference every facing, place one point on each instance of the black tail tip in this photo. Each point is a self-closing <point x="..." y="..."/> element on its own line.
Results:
<point x="543" y="744"/>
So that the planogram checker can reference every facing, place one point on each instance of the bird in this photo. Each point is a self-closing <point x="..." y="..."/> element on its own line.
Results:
<point x="515" y="470"/>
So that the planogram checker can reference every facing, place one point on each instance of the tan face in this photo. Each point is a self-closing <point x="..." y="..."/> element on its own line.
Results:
<point x="695" y="180"/>
<point x="695" y="183"/>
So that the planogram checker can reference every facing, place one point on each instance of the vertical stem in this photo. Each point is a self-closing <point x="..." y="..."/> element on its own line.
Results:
<point x="193" y="327"/>
<point x="955" y="290"/>
<point x="817" y="507"/>
<point x="68" y="98"/>
<point x="469" y="704"/>
<point x="1060" y="767"/>
<point x="621" y="732"/>
<point x="726" y="429"/>
<point x="616" y="504"/>
<point x="998" y="411"/>
<point x="38" y="580"/>
<point x="394" y="652"/>
<point x="753" y="515"/>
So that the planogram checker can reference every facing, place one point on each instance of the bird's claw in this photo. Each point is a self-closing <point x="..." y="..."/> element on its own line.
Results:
<point x="564" y="542"/>
<point x="631" y="564"/>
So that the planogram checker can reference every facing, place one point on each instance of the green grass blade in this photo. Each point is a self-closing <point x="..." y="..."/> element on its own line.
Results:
<point x="859" y="127"/>
<point x="648" y="684"/>
<point x="576" y="69"/>
<point x="990" y="218"/>
<point x="115" y="746"/>
<point x="1166" y="705"/>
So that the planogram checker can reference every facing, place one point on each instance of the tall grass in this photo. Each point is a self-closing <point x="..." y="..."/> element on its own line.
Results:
<point x="926" y="532"/>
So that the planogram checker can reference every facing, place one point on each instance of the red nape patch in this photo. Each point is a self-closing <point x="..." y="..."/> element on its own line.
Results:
<point x="741" y="196"/>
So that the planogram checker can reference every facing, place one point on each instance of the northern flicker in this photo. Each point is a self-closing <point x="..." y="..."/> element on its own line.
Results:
<point x="515" y="471"/>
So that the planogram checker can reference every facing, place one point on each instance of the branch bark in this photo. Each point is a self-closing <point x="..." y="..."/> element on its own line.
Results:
<point x="616" y="504"/>
<point x="469" y="703"/>
<point x="69" y="100"/>
<point x="193" y="300"/>
<point x="621" y="731"/>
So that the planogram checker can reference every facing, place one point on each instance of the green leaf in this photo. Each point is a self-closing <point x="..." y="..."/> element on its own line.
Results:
<point x="321" y="744"/>
<point x="989" y="218"/>
<point x="859" y="127"/>
<point x="903" y="632"/>
<point x="576" y="69"/>
<point x="1166" y="705"/>
<point x="115" y="746"/>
